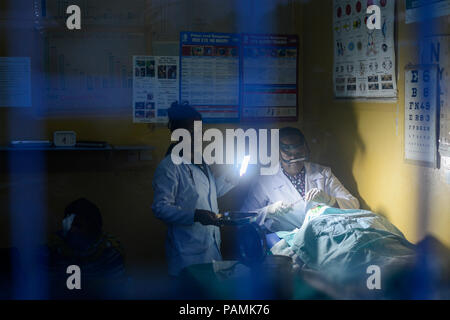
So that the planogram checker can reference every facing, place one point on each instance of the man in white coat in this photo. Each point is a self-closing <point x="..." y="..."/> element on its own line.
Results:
<point x="185" y="198"/>
<point x="282" y="199"/>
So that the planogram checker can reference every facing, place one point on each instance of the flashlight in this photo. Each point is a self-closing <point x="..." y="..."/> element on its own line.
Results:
<point x="244" y="165"/>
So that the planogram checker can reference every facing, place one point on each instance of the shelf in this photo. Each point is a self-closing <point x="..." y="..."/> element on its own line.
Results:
<point x="106" y="148"/>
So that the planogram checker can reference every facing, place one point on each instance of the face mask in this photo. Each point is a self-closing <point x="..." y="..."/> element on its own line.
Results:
<point x="67" y="223"/>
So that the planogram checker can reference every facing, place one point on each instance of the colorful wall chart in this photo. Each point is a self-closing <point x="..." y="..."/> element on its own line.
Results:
<point x="420" y="114"/>
<point x="155" y="87"/>
<point x="210" y="74"/>
<point x="364" y="59"/>
<point x="269" y="77"/>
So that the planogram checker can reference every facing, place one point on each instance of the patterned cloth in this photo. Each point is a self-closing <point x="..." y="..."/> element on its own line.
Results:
<point x="105" y="259"/>
<point x="298" y="180"/>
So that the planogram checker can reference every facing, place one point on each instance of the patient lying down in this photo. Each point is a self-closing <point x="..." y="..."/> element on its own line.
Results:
<point x="359" y="254"/>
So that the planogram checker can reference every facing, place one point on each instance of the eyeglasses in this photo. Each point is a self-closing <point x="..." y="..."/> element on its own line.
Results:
<point x="289" y="148"/>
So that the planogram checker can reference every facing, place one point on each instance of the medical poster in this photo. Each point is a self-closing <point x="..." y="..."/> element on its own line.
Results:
<point x="15" y="82"/>
<point x="155" y="87"/>
<point x="436" y="50"/>
<point x="421" y="10"/>
<point x="364" y="59"/>
<point x="421" y="114"/>
<point x="210" y="74"/>
<point x="269" y="77"/>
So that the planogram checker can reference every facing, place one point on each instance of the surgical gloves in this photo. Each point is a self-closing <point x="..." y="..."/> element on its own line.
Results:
<point x="320" y="196"/>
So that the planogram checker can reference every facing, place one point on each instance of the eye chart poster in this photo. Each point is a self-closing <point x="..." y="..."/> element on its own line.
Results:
<point x="269" y="77"/>
<point x="420" y="114"/>
<point x="155" y="87"/>
<point x="436" y="50"/>
<point x="364" y="59"/>
<point x="210" y="74"/>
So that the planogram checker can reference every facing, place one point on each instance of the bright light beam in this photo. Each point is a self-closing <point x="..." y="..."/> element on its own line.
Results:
<point x="244" y="165"/>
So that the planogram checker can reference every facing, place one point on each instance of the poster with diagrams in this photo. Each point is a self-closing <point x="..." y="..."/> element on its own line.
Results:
<point x="155" y="87"/>
<point x="364" y="59"/>
<point x="269" y="77"/>
<point x="421" y="97"/>
<point x="210" y="74"/>
<point x="436" y="50"/>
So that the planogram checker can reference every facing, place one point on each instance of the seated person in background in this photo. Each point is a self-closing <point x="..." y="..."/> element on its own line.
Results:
<point x="82" y="242"/>
<point x="281" y="199"/>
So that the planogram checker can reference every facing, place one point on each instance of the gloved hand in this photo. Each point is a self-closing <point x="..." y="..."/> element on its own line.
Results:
<point x="320" y="196"/>
<point x="206" y="217"/>
<point x="278" y="208"/>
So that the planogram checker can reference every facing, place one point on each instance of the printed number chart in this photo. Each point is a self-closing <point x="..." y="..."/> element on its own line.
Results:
<point x="421" y="114"/>
<point x="364" y="59"/>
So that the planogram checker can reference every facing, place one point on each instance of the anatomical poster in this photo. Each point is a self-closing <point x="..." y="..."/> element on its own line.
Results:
<point x="155" y="87"/>
<point x="364" y="59"/>
<point x="421" y="89"/>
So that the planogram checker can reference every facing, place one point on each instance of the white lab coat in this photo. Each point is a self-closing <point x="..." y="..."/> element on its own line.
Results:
<point x="269" y="189"/>
<point x="178" y="191"/>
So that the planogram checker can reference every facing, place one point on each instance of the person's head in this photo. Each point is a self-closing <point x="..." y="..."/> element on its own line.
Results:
<point x="82" y="223"/>
<point x="293" y="150"/>
<point x="182" y="115"/>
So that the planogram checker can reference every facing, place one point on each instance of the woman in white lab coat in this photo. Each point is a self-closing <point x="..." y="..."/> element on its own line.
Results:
<point x="282" y="199"/>
<point x="185" y="198"/>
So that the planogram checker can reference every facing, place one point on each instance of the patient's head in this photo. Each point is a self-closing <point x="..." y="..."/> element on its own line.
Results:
<point x="293" y="150"/>
<point x="82" y="224"/>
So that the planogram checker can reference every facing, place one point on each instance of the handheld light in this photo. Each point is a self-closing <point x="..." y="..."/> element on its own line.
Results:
<point x="244" y="165"/>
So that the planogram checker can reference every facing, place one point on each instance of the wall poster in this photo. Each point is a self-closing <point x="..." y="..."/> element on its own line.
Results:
<point x="421" y="97"/>
<point x="364" y="59"/>
<point x="155" y="87"/>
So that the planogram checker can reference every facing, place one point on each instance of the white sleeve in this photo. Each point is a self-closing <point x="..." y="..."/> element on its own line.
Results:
<point x="256" y="200"/>
<point x="165" y="206"/>
<point x="224" y="184"/>
<point x="335" y="188"/>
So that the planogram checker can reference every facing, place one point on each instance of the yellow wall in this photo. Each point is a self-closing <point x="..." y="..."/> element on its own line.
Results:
<point x="122" y="189"/>
<point x="363" y="141"/>
<point x="359" y="140"/>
